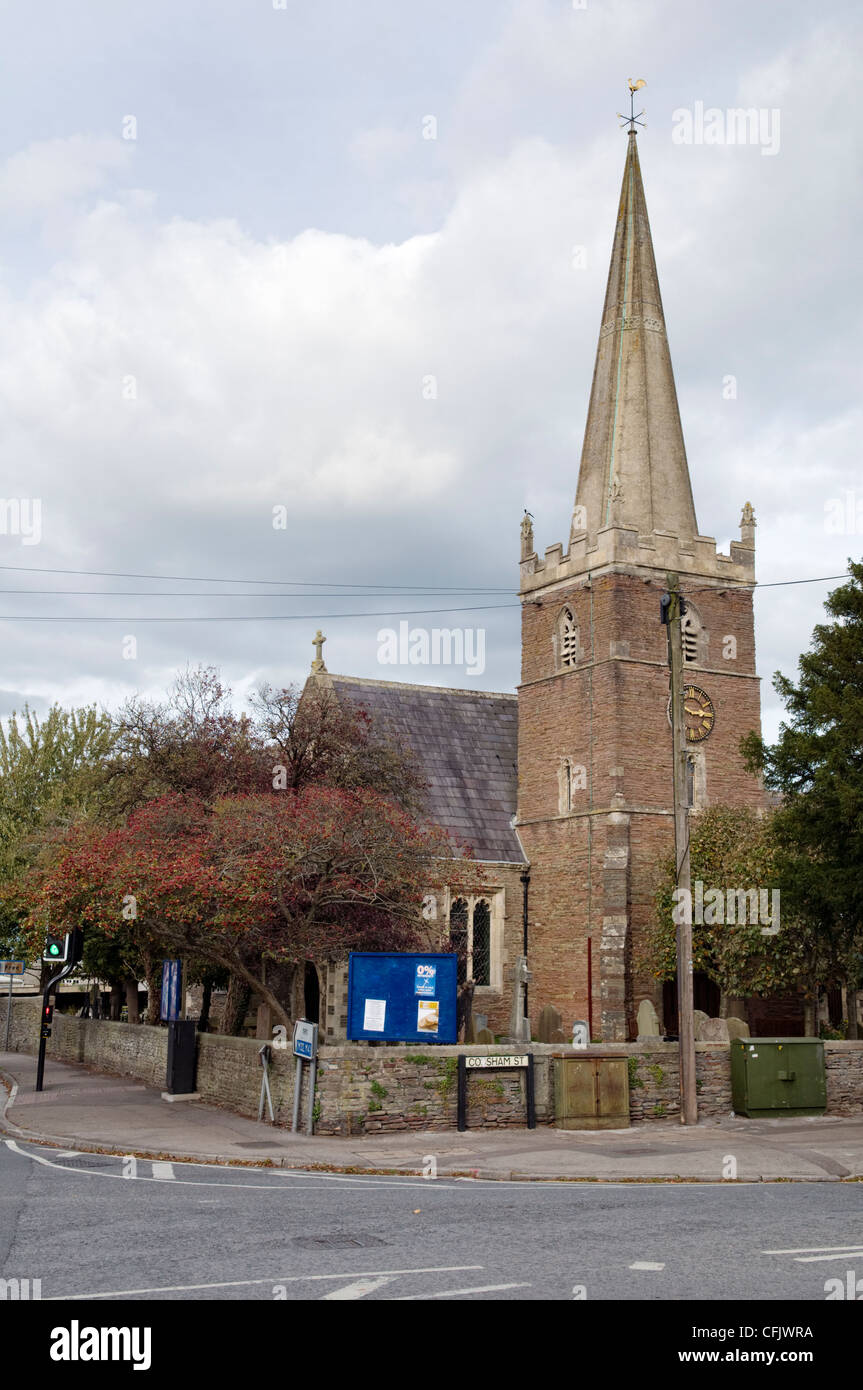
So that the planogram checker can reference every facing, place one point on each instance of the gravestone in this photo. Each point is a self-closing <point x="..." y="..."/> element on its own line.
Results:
<point x="699" y="1019"/>
<point x="485" y="1035"/>
<point x="648" y="1021"/>
<point x="549" y="1023"/>
<point x="737" y="1028"/>
<point x="714" y="1030"/>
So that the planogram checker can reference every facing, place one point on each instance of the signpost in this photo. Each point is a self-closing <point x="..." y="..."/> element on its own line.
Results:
<point x="10" y="968"/>
<point x="305" y="1047"/>
<point x="496" y="1061"/>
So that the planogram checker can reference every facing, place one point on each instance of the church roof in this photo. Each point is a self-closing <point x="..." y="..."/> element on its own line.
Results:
<point x="466" y="743"/>
<point x="633" y="465"/>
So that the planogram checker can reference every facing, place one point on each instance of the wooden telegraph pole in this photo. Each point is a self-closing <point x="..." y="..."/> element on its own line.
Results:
<point x="685" y="1019"/>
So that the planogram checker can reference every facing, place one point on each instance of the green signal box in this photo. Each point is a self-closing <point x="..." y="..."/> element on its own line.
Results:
<point x="778" y="1076"/>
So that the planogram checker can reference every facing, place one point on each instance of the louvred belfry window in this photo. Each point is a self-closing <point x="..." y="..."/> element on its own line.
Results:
<point x="568" y="638"/>
<point x="689" y="629"/>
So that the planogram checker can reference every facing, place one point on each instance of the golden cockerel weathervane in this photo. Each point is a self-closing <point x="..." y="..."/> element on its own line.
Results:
<point x="632" y="120"/>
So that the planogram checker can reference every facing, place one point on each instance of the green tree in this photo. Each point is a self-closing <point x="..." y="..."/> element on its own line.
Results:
<point x="50" y="775"/>
<point x="817" y="767"/>
<point x="731" y="848"/>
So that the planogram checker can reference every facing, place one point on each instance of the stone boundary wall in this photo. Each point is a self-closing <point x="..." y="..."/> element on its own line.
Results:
<point x="366" y="1089"/>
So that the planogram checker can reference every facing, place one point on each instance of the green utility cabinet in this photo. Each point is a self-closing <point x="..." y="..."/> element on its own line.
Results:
<point x="591" y="1092"/>
<point x="778" y="1076"/>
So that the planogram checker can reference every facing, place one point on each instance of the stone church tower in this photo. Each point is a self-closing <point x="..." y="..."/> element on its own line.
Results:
<point x="594" y="738"/>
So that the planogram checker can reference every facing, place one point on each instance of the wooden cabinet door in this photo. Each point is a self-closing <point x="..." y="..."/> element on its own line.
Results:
<point x="612" y="1088"/>
<point x="579" y="1088"/>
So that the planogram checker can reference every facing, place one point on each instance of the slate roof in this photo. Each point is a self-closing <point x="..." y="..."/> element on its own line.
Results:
<point x="466" y="744"/>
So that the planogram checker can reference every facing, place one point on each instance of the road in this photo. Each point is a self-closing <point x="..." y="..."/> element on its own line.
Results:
<point x="141" y="1229"/>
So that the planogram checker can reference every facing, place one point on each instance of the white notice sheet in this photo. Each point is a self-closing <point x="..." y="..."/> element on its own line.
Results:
<point x="374" y="1015"/>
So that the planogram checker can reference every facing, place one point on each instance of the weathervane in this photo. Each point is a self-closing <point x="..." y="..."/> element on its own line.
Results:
<point x="632" y="120"/>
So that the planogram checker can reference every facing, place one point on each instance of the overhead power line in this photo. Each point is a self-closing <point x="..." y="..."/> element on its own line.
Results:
<point x="307" y="583"/>
<point x="248" y="617"/>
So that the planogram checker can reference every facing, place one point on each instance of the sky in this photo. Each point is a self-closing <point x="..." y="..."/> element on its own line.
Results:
<point x="310" y="294"/>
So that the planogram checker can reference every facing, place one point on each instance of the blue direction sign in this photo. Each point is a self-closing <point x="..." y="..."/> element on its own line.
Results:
<point x="305" y="1039"/>
<point x="12" y="967"/>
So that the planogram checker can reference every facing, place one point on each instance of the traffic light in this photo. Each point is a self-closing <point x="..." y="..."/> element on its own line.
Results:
<point x="47" y="1016"/>
<point x="55" y="947"/>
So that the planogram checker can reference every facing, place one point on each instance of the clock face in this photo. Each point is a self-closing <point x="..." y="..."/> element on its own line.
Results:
<point x="698" y="713"/>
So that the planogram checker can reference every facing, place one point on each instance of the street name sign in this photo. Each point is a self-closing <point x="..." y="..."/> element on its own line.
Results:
<point x="496" y="1061"/>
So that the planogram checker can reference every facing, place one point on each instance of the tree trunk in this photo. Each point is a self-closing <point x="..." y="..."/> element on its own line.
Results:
<point x="132" y="1007"/>
<point x="206" y="1000"/>
<point x="853" y="1029"/>
<point x="810" y="1017"/>
<point x="153" y="976"/>
<point x="236" y="1006"/>
<point x="241" y="973"/>
<point x="115" y="1002"/>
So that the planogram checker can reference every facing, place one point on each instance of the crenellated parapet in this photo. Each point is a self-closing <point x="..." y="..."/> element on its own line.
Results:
<point x="623" y="547"/>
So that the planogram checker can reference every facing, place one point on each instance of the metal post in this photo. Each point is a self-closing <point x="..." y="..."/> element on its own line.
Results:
<point x="298" y="1085"/>
<point x="462" y="1094"/>
<point x="310" y="1115"/>
<point x="40" y="1065"/>
<point x="685" y="1001"/>
<point x="265" y="1091"/>
<point x="525" y="884"/>
<point x="8" y="1015"/>
<point x="531" y="1093"/>
<point x="55" y="980"/>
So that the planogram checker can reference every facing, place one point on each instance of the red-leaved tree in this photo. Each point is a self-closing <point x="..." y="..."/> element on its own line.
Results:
<point x="253" y="878"/>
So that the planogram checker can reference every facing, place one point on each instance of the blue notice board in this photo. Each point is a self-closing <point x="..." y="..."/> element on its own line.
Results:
<point x="394" y="996"/>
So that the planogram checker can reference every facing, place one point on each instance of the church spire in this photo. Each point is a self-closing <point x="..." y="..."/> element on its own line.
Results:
<point x="633" y="465"/>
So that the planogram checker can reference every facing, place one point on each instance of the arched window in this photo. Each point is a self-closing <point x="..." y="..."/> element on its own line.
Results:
<point x="458" y="936"/>
<point x="564" y="786"/>
<point x="568" y="646"/>
<point x="470" y="939"/>
<point x="481" y="943"/>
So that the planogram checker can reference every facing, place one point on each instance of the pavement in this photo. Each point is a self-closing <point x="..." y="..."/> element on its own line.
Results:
<point x="89" y="1111"/>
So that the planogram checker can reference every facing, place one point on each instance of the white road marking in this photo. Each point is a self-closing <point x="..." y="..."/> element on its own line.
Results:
<point x="196" y="1182"/>
<point x="279" y="1279"/>
<point x="163" y="1172"/>
<point x="358" y="1289"/>
<point x="814" y="1259"/>
<point x="458" y="1293"/>
<point x="68" y="1153"/>
<point x="812" y="1250"/>
<point x="646" y="1264"/>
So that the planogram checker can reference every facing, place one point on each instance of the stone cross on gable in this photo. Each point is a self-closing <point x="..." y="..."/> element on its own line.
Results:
<point x="318" y="644"/>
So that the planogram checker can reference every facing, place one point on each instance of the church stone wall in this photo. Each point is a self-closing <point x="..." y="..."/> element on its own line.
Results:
<point x="366" y="1089"/>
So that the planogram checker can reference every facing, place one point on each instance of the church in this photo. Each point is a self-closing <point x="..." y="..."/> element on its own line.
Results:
<point x="564" y="790"/>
